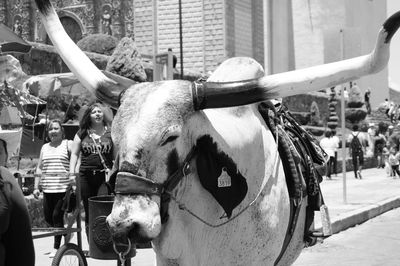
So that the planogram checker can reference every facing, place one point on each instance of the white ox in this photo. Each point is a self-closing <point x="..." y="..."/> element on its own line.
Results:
<point x="158" y="124"/>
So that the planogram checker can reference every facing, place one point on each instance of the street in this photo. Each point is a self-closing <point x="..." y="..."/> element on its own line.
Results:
<point x="375" y="242"/>
<point x="144" y="257"/>
<point x="358" y="241"/>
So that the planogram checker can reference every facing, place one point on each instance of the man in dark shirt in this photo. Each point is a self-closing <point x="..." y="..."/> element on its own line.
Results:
<point x="16" y="244"/>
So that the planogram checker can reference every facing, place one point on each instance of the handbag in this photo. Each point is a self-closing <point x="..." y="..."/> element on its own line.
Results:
<point x="69" y="201"/>
<point x="105" y="188"/>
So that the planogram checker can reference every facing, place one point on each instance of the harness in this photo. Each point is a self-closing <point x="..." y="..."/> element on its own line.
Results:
<point x="299" y="152"/>
<point x="127" y="183"/>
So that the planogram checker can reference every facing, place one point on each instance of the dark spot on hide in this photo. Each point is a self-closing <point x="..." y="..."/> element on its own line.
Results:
<point x="213" y="164"/>
<point x="172" y="162"/>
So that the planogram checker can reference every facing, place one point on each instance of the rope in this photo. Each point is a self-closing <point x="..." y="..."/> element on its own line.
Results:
<point x="34" y="119"/>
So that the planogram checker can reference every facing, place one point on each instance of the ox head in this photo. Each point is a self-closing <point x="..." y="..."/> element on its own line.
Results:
<point x="158" y="125"/>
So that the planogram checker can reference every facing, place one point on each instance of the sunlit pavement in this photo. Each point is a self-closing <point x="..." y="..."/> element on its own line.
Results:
<point x="373" y="192"/>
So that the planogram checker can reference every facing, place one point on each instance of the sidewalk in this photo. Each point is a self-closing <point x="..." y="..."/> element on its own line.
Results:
<point x="373" y="195"/>
<point x="366" y="198"/>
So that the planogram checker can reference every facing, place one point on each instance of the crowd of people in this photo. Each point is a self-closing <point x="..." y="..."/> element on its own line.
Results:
<point x="376" y="141"/>
<point x="90" y="155"/>
<point x="392" y="110"/>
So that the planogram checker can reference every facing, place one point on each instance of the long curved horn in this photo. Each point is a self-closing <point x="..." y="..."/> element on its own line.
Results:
<point x="105" y="89"/>
<point x="226" y="94"/>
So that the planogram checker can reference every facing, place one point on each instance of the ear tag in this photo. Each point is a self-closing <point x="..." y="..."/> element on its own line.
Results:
<point x="224" y="180"/>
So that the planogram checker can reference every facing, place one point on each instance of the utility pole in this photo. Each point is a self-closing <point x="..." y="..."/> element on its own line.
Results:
<point x="180" y="36"/>
<point x="342" y="103"/>
<point x="156" y="74"/>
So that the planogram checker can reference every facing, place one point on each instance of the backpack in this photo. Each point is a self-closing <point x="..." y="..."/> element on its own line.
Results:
<point x="355" y="145"/>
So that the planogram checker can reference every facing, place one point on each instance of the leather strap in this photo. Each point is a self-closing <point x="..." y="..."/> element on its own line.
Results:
<point x="128" y="183"/>
<point x="294" y="215"/>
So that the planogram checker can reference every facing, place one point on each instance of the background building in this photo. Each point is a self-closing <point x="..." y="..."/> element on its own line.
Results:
<point x="280" y="34"/>
<point x="79" y="17"/>
<point x="332" y="30"/>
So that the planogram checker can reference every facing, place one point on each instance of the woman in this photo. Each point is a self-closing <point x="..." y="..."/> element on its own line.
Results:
<point x="52" y="173"/>
<point x="380" y="141"/>
<point x="92" y="154"/>
<point x="329" y="145"/>
<point x="16" y="244"/>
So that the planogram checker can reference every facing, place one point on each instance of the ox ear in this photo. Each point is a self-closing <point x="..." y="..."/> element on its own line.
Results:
<point x="219" y="175"/>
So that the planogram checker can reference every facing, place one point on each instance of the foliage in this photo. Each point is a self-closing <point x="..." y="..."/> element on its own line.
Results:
<point x="98" y="43"/>
<point x="126" y="61"/>
<point x="355" y="115"/>
<point x="25" y="164"/>
<point x="66" y="108"/>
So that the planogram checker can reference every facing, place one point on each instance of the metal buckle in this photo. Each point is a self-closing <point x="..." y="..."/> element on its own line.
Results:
<point x="186" y="167"/>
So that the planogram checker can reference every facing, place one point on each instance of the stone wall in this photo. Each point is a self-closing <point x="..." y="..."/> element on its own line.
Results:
<point x="302" y="103"/>
<point x="43" y="59"/>
<point x="215" y="43"/>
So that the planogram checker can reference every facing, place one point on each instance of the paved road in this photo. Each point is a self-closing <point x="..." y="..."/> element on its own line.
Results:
<point x="363" y="194"/>
<point x="144" y="257"/>
<point x="373" y="243"/>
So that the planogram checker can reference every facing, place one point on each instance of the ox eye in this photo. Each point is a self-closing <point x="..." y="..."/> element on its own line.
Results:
<point x="169" y="139"/>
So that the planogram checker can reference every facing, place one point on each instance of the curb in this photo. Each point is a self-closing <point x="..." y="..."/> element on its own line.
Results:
<point x="353" y="218"/>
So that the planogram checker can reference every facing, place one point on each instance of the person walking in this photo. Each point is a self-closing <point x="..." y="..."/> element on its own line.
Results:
<point x="329" y="145"/>
<point x="52" y="173"/>
<point x="392" y="112"/>
<point x="394" y="162"/>
<point x="367" y="97"/>
<point x="357" y="151"/>
<point x="16" y="243"/>
<point x="385" y="155"/>
<point x="92" y="154"/>
<point x="380" y="142"/>
<point x="372" y="131"/>
<point x="336" y="140"/>
<point x="345" y="94"/>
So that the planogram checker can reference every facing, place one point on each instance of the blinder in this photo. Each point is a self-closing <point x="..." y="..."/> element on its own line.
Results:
<point x="128" y="183"/>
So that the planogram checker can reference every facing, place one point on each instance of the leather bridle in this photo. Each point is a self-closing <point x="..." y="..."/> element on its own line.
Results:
<point x="127" y="184"/>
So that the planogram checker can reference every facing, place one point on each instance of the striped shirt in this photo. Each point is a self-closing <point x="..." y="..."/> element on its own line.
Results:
<point x="55" y="167"/>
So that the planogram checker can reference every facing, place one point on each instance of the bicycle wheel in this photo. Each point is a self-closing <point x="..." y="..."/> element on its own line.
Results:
<point x="69" y="254"/>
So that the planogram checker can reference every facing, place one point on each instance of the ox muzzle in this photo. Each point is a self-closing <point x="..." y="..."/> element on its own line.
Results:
<point x="129" y="184"/>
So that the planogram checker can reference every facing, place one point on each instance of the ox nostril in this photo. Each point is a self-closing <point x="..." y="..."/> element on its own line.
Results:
<point x="120" y="239"/>
<point x="121" y="230"/>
